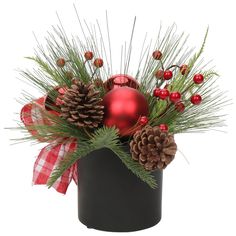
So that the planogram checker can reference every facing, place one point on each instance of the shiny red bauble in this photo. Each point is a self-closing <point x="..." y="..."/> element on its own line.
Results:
<point x="164" y="94"/>
<point x="167" y="74"/>
<point x="198" y="78"/>
<point x="123" y="108"/>
<point x="164" y="127"/>
<point x="196" y="99"/>
<point x="88" y="55"/>
<point x="175" y="97"/>
<point x="180" y="107"/>
<point x="121" y="80"/>
<point x="156" y="92"/>
<point x="98" y="62"/>
<point x="183" y="69"/>
<point x="143" y="120"/>
<point x="157" y="55"/>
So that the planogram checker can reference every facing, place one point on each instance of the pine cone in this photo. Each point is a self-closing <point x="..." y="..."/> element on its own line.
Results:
<point x="81" y="105"/>
<point x="153" y="148"/>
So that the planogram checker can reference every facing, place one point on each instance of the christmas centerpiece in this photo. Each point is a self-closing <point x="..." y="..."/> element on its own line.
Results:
<point x="113" y="133"/>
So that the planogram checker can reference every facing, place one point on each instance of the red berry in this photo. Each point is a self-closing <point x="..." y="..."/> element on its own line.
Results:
<point x="198" y="78"/>
<point x="175" y="97"/>
<point x="179" y="106"/>
<point x="143" y="120"/>
<point x="167" y="74"/>
<point x="98" y="62"/>
<point x="159" y="74"/>
<point x="196" y="99"/>
<point x="163" y="94"/>
<point x="88" y="55"/>
<point x="183" y="69"/>
<point x="156" y="92"/>
<point x="164" y="127"/>
<point x="61" y="62"/>
<point x="157" y="55"/>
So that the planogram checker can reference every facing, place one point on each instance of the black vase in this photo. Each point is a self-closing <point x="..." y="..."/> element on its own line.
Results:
<point x="112" y="198"/>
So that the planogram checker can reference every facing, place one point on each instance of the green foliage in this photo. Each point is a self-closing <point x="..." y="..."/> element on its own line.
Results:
<point x="102" y="138"/>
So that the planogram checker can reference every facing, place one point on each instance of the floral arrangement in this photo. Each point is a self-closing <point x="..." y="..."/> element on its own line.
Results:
<point x="85" y="106"/>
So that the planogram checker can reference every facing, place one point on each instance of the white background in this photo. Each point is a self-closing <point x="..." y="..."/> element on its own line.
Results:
<point x="198" y="199"/>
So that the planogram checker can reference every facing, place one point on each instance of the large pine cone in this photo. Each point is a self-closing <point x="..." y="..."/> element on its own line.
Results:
<point x="81" y="105"/>
<point x="153" y="148"/>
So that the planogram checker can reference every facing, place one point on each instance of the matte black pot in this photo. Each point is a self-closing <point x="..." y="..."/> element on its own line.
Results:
<point x="112" y="198"/>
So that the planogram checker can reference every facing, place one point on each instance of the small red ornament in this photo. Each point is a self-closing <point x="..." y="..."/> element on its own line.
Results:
<point x="123" y="108"/>
<point x="196" y="99"/>
<point x="167" y="74"/>
<point x="198" y="78"/>
<point x="156" y="92"/>
<point x="88" y="55"/>
<point x="184" y="69"/>
<point x="164" y="127"/>
<point x="143" y="120"/>
<point x="121" y="80"/>
<point x="175" y="97"/>
<point x="157" y="55"/>
<point x="98" y="62"/>
<point x="180" y="107"/>
<point x="164" y="94"/>
<point x="61" y="62"/>
<point x="159" y="74"/>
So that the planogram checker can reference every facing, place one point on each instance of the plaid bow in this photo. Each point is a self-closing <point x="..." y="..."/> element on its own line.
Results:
<point x="49" y="156"/>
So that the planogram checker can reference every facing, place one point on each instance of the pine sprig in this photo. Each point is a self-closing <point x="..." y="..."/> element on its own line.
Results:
<point x="102" y="138"/>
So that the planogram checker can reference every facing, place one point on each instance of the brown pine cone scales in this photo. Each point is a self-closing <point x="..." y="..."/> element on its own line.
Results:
<point x="153" y="148"/>
<point x="81" y="105"/>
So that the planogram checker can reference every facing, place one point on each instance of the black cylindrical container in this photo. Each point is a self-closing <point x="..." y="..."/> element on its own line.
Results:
<point x="112" y="198"/>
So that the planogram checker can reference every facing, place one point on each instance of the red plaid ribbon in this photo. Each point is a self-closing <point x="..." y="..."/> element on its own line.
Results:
<point x="49" y="156"/>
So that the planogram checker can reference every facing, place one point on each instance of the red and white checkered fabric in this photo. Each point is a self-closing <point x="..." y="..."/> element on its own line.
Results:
<point x="49" y="156"/>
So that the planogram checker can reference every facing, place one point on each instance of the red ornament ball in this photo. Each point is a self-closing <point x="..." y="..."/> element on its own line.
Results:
<point x="143" y="120"/>
<point x="175" y="97"/>
<point x="159" y="74"/>
<point x="156" y="92"/>
<point x="196" y="99"/>
<point x="61" y="62"/>
<point x="98" y="62"/>
<point x="167" y="74"/>
<point x="164" y="127"/>
<point x="164" y="94"/>
<point x="180" y="107"/>
<point x="88" y="55"/>
<point x="183" y="69"/>
<point x="198" y="78"/>
<point x="123" y="108"/>
<point x="121" y="80"/>
<point x="157" y="55"/>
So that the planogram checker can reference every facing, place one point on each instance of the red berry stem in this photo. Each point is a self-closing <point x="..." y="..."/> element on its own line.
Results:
<point x="173" y="66"/>
<point x="162" y="65"/>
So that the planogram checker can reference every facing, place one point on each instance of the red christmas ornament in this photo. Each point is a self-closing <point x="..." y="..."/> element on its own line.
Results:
<point x="164" y="127"/>
<point x="157" y="55"/>
<point x="183" y="69"/>
<point x="196" y="99"/>
<point x="167" y="74"/>
<point x="61" y="62"/>
<point x="98" y="62"/>
<point x="180" y="107"/>
<point x="88" y="55"/>
<point x="164" y="94"/>
<point x="123" y="108"/>
<point x="121" y="80"/>
<point x="175" y="97"/>
<point x="143" y="120"/>
<point x="156" y="92"/>
<point x="198" y="78"/>
<point x="159" y="74"/>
